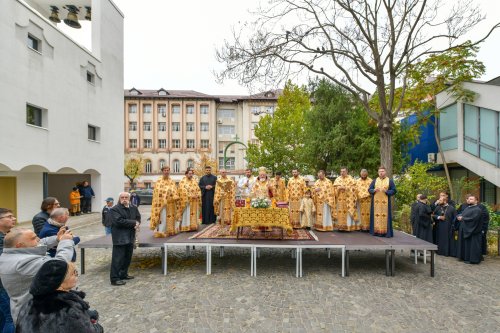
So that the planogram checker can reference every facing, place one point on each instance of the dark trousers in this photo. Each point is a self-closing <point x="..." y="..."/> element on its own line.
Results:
<point x="6" y="325"/>
<point x="86" y="205"/>
<point x="120" y="261"/>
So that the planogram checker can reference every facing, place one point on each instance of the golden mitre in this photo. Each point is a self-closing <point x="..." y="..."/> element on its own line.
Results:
<point x="262" y="171"/>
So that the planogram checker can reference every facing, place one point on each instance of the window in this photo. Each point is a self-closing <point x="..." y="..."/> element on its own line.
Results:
<point x="162" y="127"/>
<point x="190" y="127"/>
<point x="146" y="126"/>
<point x="132" y="108"/>
<point x="256" y="110"/>
<point x="147" y="166"/>
<point x="176" y="127"/>
<point x="225" y="113"/>
<point x="147" y="185"/>
<point x="132" y="143"/>
<point x="148" y="143"/>
<point x="93" y="133"/>
<point x="162" y="163"/>
<point x="176" y="166"/>
<point x="471" y="129"/>
<point x="226" y="129"/>
<point x="162" y="110"/>
<point x="176" y="143"/>
<point x="190" y="143"/>
<point x="190" y="163"/>
<point x="146" y="108"/>
<point x="90" y="77"/>
<point x="34" y="43"/>
<point x="204" y="109"/>
<point x="204" y="127"/>
<point x="230" y="162"/>
<point x="162" y="93"/>
<point x="204" y="144"/>
<point x="254" y="124"/>
<point x="132" y="126"/>
<point x="34" y="116"/>
<point x="176" y="109"/>
<point x="190" y="109"/>
<point x="448" y="127"/>
<point x="162" y="143"/>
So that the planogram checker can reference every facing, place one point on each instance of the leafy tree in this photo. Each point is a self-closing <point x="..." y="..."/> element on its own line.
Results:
<point x="134" y="164"/>
<point x="282" y="134"/>
<point x="339" y="132"/>
<point x="364" y="46"/>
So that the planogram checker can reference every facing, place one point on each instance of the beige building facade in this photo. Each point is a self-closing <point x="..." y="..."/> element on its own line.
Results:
<point x="175" y="127"/>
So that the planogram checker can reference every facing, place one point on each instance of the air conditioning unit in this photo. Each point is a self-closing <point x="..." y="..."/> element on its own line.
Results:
<point x="163" y="114"/>
<point x="431" y="157"/>
<point x="219" y="121"/>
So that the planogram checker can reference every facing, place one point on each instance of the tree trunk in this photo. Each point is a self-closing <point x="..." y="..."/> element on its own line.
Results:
<point x="385" y="133"/>
<point x="445" y="165"/>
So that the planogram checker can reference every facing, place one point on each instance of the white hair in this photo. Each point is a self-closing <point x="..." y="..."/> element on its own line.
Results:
<point x="122" y="193"/>
<point x="59" y="212"/>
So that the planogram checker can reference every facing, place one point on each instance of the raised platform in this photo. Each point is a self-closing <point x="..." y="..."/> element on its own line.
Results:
<point x="343" y="241"/>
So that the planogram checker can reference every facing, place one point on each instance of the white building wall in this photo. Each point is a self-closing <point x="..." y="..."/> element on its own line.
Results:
<point x="55" y="79"/>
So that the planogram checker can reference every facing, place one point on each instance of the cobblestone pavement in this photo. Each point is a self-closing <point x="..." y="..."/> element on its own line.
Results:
<point x="461" y="298"/>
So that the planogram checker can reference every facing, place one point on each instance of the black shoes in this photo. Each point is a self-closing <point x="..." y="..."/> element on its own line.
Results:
<point x="128" y="277"/>
<point x="118" y="283"/>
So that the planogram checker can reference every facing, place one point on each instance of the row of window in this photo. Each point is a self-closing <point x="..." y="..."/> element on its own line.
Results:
<point x="162" y="126"/>
<point x="176" y="165"/>
<point x="162" y="144"/>
<point x="38" y="117"/>
<point x="162" y="109"/>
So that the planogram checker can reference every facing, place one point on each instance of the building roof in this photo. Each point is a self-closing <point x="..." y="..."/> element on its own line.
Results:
<point x="271" y="95"/>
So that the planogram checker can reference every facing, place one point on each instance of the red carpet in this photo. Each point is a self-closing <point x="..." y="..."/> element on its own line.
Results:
<point x="216" y="231"/>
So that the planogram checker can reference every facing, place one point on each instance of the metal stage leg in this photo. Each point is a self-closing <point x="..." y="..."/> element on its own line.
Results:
<point x="221" y="251"/>
<point x="254" y="260"/>
<point x="425" y="256"/>
<point x="300" y="257"/>
<point x="294" y="255"/>
<point x="165" y="259"/>
<point x="343" y="262"/>
<point x="296" y="262"/>
<point x="329" y="253"/>
<point x="209" y="260"/>
<point x="433" y="263"/>
<point x="346" y="262"/>
<point x="387" y="263"/>
<point x="416" y="256"/>
<point x="393" y="262"/>
<point x="82" y="260"/>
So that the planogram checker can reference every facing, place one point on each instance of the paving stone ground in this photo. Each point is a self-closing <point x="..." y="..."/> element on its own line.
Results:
<point x="460" y="298"/>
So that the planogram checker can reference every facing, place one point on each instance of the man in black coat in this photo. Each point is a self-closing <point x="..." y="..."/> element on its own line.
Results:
<point x="470" y="232"/>
<point x="413" y="216"/>
<point x="424" y="220"/>
<point x="207" y="186"/>
<point x="126" y="220"/>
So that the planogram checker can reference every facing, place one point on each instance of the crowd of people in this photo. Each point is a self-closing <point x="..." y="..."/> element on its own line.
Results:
<point x="346" y="204"/>
<point x="460" y="233"/>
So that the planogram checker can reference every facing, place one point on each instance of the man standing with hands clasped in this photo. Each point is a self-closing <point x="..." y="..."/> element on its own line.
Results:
<point x="126" y="221"/>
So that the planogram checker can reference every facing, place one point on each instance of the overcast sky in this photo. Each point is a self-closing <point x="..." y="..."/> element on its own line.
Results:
<point x="171" y="44"/>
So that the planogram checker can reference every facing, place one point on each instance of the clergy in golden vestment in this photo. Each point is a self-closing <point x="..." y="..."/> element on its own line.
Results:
<point x="296" y="188"/>
<point x="307" y="210"/>
<point x="364" y="199"/>
<point x="262" y="186"/>
<point x="381" y="189"/>
<point x="278" y="188"/>
<point x="323" y="199"/>
<point x="189" y="202"/>
<point x="164" y="208"/>
<point x="345" y="202"/>
<point x="224" y="198"/>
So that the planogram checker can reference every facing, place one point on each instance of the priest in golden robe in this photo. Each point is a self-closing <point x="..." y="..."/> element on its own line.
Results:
<point x="224" y="198"/>
<point x="189" y="202"/>
<point x="278" y="188"/>
<point x="364" y="199"/>
<point x="262" y="186"/>
<point x="164" y="208"/>
<point x="381" y="189"/>
<point x="345" y="202"/>
<point x="324" y="199"/>
<point x="296" y="189"/>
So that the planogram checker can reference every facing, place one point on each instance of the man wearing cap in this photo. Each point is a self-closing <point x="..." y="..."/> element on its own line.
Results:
<point x="106" y="218"/>
<point x="23" y="255"/>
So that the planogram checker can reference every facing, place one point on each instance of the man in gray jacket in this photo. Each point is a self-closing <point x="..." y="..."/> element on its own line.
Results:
<point x="23" y="255"/>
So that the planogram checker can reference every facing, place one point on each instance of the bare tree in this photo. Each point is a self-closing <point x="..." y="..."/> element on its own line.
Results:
<point x="366" y="46"/>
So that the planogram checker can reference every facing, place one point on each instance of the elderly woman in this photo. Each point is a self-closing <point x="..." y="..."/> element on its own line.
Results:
<point x="55" y="307"/>
<point x="48" y="205"/>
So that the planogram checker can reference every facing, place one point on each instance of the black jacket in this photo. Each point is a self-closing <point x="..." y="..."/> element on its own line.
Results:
<point x="107" y="219"/>
<point x="123" y="226"/>
<point x="58" y="312"/>
<point x="39" y="221"/>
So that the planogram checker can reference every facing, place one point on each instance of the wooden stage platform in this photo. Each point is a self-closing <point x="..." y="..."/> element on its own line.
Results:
<point x="342" y="241"/>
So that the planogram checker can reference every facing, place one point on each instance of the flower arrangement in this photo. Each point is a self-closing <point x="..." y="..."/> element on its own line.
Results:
<point x="260" y="203"/>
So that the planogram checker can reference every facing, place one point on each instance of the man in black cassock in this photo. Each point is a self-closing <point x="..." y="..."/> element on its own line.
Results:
<point x="207" y="186"/>
<point x="413" y="216"/>
<point x="485" y="218"/>
<point x="424" y="220"/>
<point x="470" y="232"/>
<point x="444" y="217"/>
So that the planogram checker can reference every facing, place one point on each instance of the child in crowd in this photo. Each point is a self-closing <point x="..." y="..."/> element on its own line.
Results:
<point x="74" y="201"/>
<point x="307" y="210"/>
<point x="106" y="216"/>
